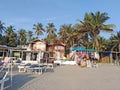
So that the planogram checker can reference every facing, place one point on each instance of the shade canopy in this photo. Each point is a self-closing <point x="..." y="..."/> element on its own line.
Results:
<point x="80" y="48"/>
<point x="90" y="50"/>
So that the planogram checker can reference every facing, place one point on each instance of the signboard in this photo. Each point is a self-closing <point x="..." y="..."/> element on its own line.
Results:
<point x="16" y="54"/>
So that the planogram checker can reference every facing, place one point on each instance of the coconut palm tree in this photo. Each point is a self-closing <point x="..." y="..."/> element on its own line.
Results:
<point x="95" y="23"/>
<point x="50" y="30"/>
<point x="62" y="33"/>
<point x="82" y="35"/>
<point x="38" y="29"/>
<point x="11" y="36"/>
<point x="67" y="34"/>
<point x="102" y="43"/>
<point x="10" y="30"/>
<point x="2" y="27"/>
<point x="30" y="34"/>
<point x="116" y="41"/>
<point x="22" y="36"/>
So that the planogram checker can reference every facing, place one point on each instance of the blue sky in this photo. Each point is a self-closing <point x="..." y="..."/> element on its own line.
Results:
<point x="25" y="13"/>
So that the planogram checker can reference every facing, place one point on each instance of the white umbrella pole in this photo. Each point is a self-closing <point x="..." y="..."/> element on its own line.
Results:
<point x="11" y="72"/>
<point x="39" y="60"/>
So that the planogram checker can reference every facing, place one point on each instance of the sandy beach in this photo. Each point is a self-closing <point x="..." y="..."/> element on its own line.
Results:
<point x="105" y="77"/>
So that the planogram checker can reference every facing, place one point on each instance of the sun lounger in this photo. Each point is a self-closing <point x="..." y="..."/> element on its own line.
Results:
<point x="69" y="62"/>
<point x="49" y="65"/>
<point x="22" y="67"/>
<point x="5" y="68"/>
<point x="3" y="79"/>
<point x="37" y="68"/>
<point x="58" y="62"/>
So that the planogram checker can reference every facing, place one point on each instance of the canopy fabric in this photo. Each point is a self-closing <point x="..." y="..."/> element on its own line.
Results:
<point x="80" y="48"/>
<point x="90" y="50"/>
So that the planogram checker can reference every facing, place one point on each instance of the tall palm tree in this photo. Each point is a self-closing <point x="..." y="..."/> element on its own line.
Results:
<point x="102" y="43"/>
<point x="50" y="30"/>
<point x="116" y="41"/>
<point x="67" y="34"/>
<point x="10" y="30"/>
<point x="38" y="29"/>
<point x="2" y="27"/>
<point x="82" y="34"/>
<point x="62" y="33"/>
<point x="95" y="23"/>
<point x="30" y="34"/>
<point x="11" y="36"/>
<point x="22" y="36"/>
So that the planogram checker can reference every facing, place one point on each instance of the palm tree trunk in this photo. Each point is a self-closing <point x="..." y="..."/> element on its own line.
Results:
<point x="96" y="42"/>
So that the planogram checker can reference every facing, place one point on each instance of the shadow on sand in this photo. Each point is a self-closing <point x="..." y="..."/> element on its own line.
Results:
<point x="18" y="81"/>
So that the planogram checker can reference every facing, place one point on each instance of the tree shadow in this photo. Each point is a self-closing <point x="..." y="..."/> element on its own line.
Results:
<point x="18" y="81"/>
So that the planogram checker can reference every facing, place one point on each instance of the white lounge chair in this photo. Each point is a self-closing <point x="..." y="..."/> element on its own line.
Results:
<point x="6" y="67"/>
<point x="22" y="67"/>
<point x="3" y="79"/>
<point x="38" y="69"/>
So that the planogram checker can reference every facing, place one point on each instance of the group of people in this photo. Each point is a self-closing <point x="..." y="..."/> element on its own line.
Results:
<point x="84" y="59"/>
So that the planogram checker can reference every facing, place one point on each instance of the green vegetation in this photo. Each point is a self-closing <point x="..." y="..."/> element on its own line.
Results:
<point x="85" y="33"/>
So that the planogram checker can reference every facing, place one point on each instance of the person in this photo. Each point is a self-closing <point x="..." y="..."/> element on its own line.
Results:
<point x="79" y="61"/>
<point x="89" y="65"/>
<point x="18" y="61"/>
<point x="1" y="62"/>
<point x="95" y="63"/>
<point x="83" y="62"/>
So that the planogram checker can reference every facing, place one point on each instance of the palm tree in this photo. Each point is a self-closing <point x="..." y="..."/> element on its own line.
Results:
<point x="2" y="27"/>
<point x="94" y="23"/>
<point x="38" y="29"/>
<point x="102" y="43"/>
<point x="22" y="36"/>
<point x="116" y="41"/>
<point x="30" y="34"/>
<point x="50" y="30"/>
<point x="62" y="33"/>
<point x="10" y="30"/>
<point x="11" y="36"/>
<point x="82" y="35"/>
<point x="67" y="34"/>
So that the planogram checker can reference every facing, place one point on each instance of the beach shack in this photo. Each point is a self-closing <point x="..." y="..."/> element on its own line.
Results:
<point x="57" y="50"/>
<point x="110" y="57"/>
<point x="4" y="51"/>
<point x="28" y="52"/>
<point x="34" y="49"/>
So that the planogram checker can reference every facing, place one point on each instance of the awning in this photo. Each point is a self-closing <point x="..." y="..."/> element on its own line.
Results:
<point x="80" y="48"/>
<point x="90" y="50"/>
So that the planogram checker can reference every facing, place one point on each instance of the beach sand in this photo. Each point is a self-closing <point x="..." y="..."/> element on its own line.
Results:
<point x="105" y="77"/>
